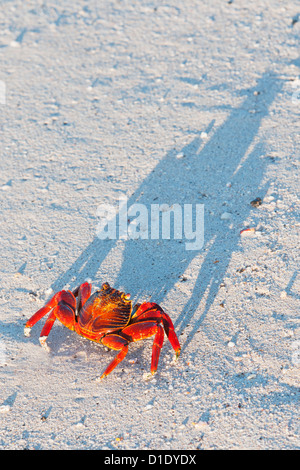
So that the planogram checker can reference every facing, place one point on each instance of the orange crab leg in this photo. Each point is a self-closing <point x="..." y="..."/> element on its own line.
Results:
<point x="132" y="333"/>
<point x="143" y="330"/>
<point x="82" y="293"/>
<point x="48" y="324"/>
<point x="149" y="310"/>
<point x="157" y="345"/>
<point x="67" y="317"/>
<point x="115" y="342"/>
<point x="170" y="332"/>
<point x="140" y="330"/>
<point x="46" y="329"/>
<point x="63" y="295"/>
<point x="41" y="313"/>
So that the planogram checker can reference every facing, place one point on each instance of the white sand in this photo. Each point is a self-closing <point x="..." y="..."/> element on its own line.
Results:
<point x="175" y="102"/>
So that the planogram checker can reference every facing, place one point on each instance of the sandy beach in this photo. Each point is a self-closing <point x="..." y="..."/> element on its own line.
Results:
<point x="171" y="104"/>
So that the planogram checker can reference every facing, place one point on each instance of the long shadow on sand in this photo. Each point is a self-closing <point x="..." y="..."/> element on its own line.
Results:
<point x="229" y="155"/>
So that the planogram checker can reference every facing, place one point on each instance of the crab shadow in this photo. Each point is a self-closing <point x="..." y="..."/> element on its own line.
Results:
<point x="230" y="154"/>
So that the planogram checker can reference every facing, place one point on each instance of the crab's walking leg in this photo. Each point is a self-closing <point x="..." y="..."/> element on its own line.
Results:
<point x="115" y="342"/>
<point x="82" y="293"/>
<point x="136" y="332"/>
<point x="170" y="332"/>
<point x="65" y="296"/>
<point x="46" y="329"/>
<point x="157" y="345"/>
<point x="150" y="310"/>
<point x="40" y="314"/>
<point x="66" y="316"/>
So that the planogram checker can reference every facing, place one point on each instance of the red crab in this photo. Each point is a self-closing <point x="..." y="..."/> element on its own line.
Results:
<point x="107" y="317"/>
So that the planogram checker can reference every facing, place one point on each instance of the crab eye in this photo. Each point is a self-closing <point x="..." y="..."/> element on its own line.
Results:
<point x="105" y="285"/>
<point x="125" y="296"/>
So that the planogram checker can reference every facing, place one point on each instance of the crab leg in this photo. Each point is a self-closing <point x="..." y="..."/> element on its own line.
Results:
<point x="82" y="293"/>
<point x="157" y="345"/>
<point x="65" y="296"/>
<point x="134" y="332"/>
<point x="40" y="314"/>
<point x="144" y="329"/>
<point x="170" y="332"/>
<point x="150" y="310"/>
<point x="46" y="330"/>
<point x="115" y="342"/>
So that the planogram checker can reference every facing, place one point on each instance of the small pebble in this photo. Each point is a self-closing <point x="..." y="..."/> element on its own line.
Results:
<point x="202" y="425"/>
<point x="48" y="291"/>
<point x="14" y="44"/>
<point x="295" y="19"/>
<point x="132" y="361"/>
<point x="180" y="155"/>
<point x="247" y="232"/>
<point x="6" y="187"/>
<point x="147" y="376"/>
<point x="27" y="331"/>
<point x="256" y="202"/>
<point x="4" y="408"/>
<point x="226" y="216"/>
<point x="78" y="425"/>
<point x="268" y="199"/>
<point x="81" y="355"/>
